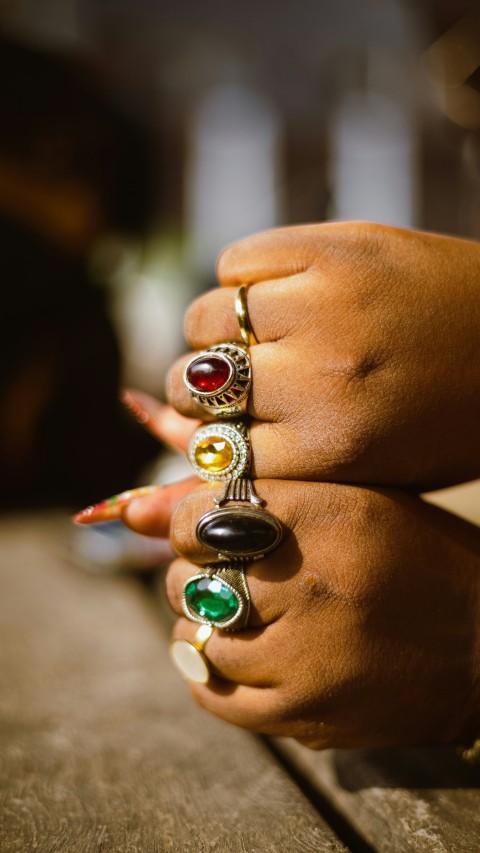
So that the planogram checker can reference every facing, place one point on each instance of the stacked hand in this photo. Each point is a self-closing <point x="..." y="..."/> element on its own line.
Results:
<point x="364" y="627"/>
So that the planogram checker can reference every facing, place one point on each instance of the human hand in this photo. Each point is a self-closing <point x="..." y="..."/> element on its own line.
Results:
<point x="364" y="625"/>
<point x="367" y="366"/>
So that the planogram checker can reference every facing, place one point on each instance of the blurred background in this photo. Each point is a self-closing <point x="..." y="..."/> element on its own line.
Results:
<point x="138" y="138"/>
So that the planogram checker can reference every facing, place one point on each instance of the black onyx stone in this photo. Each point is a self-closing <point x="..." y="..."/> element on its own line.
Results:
<point x="239" y="531"/>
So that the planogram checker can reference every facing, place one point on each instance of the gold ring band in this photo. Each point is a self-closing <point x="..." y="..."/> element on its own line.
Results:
<point x="241" y="310"/>
<point x="202" y="635"/>
<point x="189" y="657"/>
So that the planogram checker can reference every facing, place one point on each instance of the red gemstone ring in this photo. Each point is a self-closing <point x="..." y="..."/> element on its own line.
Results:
<point x="219" y="378"/>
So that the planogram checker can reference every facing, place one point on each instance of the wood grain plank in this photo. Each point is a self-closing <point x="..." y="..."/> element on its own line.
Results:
<point x="422" y="800"/>
<point x="102" y="749"/>
<point x="402" y="800"/>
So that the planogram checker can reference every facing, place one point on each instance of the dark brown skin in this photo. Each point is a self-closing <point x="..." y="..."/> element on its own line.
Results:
<point x="367" y="368"/>
<point x="365" y="628"/>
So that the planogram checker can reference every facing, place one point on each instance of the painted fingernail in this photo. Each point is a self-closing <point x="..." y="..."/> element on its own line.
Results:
<point x="159" y="419"/>
<point x="111" y="508"/>
<point x="144" y="408"/>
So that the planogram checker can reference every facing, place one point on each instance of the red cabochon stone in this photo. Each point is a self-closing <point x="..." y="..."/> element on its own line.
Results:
<point x="208" y="373"/>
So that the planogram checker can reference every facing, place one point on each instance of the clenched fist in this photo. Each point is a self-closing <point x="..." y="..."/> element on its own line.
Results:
<point x="367" y="368"/>
<point x="364" y="627"/>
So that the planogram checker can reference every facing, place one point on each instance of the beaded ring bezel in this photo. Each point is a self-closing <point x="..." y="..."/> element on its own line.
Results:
<point x="236" y="584"/>
<point x="238" y="440"/>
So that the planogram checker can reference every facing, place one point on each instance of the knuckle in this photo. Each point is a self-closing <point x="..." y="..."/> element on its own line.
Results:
<point x="184" y="523"/>
<point x="351" y="445"/>
<point x="365" y="239"/>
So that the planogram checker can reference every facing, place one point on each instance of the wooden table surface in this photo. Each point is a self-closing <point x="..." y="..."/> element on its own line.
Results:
<point x="103" y="751"/>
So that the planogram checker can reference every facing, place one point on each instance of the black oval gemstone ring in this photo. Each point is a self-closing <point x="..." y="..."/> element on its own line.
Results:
<point x="239" y="531"/>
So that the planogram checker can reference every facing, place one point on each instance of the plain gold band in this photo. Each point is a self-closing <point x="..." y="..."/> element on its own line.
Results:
<point x="241" y="310"/>
<point x="202" y="636"/>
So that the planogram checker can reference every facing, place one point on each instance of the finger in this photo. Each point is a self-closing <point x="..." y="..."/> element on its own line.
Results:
<point x="273" y="309"/>
<point x="280" y="449"/>
<point x="279" y="253"/>
<point x="286" y="500"/>
<point x="268" y="595"/>
<point x="151" y="515"/>
<point x="242" y="657"/>
<point x="256" y="708"/>
<point x="269" y="362"/>
<point x="161" y="421"/>
<point x="174" y="429"/>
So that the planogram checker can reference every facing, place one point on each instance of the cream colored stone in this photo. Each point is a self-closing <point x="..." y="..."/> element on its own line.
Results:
<point x="189" y="661"/>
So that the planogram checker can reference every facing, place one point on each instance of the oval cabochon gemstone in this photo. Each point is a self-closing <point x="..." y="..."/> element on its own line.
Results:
<point x="211" y="599"/>
<point x="209" y="373"/>
<point x="239" y="531"/>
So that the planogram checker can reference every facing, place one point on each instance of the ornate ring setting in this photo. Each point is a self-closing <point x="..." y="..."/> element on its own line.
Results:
<point x="241" y="310"/>
<point x="189" y="658"/>
<point x="219" y="378"/>
<point x="249" y="532"/>
<point x="220" y="451"/>
<point x="218" y="596"/>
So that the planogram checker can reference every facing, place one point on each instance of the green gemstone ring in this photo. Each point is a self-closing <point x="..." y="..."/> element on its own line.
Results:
<point x="218" y="596"/>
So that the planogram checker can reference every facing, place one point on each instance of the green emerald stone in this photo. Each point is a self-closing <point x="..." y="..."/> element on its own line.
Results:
<point x="211" y="599"/>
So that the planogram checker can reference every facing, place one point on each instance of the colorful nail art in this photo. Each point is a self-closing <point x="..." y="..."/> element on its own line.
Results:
<point x="111" y="508"/>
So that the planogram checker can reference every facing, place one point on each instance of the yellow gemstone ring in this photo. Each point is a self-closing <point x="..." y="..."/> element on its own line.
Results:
<point x="220" y="451"/>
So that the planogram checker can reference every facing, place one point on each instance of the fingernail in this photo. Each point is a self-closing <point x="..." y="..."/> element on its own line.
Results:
<point x="144" y="408"/>
<point x="111" y="508"/>
<point x="159" y="419"/>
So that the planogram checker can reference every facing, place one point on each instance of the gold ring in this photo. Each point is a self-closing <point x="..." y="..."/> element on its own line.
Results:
<point x="241" y="310"/>
<point x="189" y="657"/>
